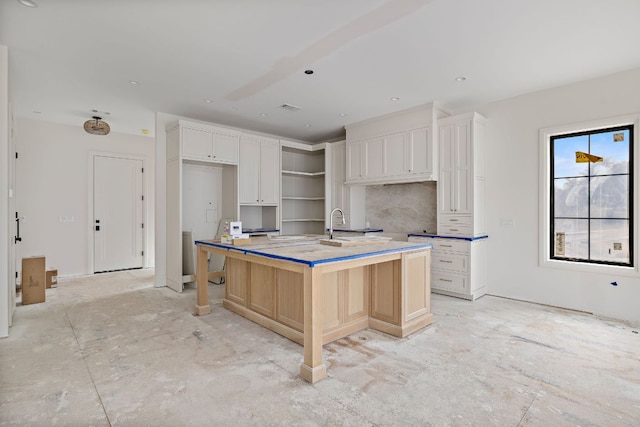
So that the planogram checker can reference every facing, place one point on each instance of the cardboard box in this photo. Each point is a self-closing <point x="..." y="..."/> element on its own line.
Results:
<point x="52" y="278"/>
<point x="33" y="280"/>
<point x="241" y="242"/>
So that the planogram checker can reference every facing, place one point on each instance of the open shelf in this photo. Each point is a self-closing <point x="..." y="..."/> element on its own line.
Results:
<point x="303" y="191"/>
<point x="304" y="220"/>
<point x="298" y="173"/>
<point x="303" y="198"/>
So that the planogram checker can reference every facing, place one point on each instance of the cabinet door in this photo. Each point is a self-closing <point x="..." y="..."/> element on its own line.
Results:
<point x="269" y="172"/>
<point x="225" y="148"/>
<point x="248" y="171"/>
<point x="338" y="175"/>
<point x="196" y="144"/>
<point x="462" y="168"/>
<point x="446" y="184"/>
<point x="420" y="151"/>
<point x="354" y="161"/>
<point x="416" y="284"/>
<point x="374" y="158"/>
<point x="395" y="146"/>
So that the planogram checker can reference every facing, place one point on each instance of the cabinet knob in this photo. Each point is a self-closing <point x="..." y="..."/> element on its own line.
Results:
<point x="208" y="155"/>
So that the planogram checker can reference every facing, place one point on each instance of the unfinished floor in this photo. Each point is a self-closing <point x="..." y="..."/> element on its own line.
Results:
<point x="112" y="350"/>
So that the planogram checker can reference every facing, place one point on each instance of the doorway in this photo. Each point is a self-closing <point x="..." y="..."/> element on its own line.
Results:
<point x="118" y="224"/>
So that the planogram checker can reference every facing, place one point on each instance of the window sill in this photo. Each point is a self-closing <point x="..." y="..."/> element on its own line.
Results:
<point x="590" y="268"/>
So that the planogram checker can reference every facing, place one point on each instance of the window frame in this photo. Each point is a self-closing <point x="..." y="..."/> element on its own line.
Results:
<point x="546" y="258"/>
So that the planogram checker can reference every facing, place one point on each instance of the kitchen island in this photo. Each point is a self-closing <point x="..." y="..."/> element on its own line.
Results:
<point x="315" y="293"/>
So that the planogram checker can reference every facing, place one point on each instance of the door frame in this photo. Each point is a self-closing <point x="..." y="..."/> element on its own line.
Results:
<point x="90" y="237"/>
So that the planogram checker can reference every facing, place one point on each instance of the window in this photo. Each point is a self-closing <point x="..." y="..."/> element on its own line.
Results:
<point x="591" y="196"/>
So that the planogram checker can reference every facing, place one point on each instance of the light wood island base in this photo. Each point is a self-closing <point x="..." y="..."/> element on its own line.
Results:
<point x="314" y="302"/>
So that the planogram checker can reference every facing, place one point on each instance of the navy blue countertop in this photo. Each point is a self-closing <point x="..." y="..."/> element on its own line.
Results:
<point x="309" y="251"/>
<point x="260" y="230"/>
<point x="358" y="230"/>
<point x="440" y="236"/>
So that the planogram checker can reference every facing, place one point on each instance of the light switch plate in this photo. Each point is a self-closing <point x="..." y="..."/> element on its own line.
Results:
<point x="507" y="222"/>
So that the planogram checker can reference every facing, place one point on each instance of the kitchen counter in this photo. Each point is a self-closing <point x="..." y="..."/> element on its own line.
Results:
<point x="313" y="293"/>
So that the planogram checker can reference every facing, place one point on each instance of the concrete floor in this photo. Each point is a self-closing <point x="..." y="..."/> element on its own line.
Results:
<point x="112" y="350"/>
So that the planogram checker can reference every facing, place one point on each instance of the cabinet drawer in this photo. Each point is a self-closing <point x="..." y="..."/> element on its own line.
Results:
<point x="454" y="230"/>
<point x="443" y="245"/>
<point x="450" y="245"/>
<point x="455" y="220"/>
<point x="440" y="280"/>
<point x="450" y="262"/>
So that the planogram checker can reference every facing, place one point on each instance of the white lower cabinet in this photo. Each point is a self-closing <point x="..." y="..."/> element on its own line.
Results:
<point x="458" y="265"/>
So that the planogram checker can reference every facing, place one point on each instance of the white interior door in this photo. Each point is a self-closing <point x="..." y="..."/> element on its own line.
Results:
<point x="13" y="218"/>
<point x="117" y="210"/>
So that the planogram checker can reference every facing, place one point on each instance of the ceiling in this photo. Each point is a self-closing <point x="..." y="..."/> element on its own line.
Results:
<point x="248" y="57"/>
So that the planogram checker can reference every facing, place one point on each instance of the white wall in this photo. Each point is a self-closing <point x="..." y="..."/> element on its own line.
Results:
<point x="53" y="180"/>
<point x="162" y="120"/>
<point x="512" y="160"/>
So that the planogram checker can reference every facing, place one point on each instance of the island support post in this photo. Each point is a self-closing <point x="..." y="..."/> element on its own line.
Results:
<point x="202" y="282"/>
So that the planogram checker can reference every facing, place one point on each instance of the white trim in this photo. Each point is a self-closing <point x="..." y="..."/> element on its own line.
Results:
<point x="145" y="192"/>
<point x="545" y="260"/>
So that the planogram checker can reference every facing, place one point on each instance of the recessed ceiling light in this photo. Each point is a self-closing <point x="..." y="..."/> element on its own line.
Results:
<point x="208" y="101"/>
<point x="145" y="131"/>
<point x="28" y="3"/>
<point x="307" y="125"/>
<point x="461" y="79"/>
<point x="395" y="98"/>
<point x="134" y="82"/>
<point x="308" y="72"/>
<point x="343" y="115"/>
<point x="264" y="114"/>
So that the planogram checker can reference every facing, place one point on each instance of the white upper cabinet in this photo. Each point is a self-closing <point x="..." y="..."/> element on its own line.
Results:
<point x="395" y="148"/>
<point x="208" y="144"/>
<point x="259" y="170"/>
<point x="270" y="172"/>
<point x="420" y="156"/>
<point x="248" y="171"/>
<point x="406" y="156"/>
<point x="351" y="199"/>
<point x="225" y="148"/>
<point x="396" y="154"/>
<point x="196" y="144"/>
<point x="374" y="158"/>
<point x="354" y="161"/>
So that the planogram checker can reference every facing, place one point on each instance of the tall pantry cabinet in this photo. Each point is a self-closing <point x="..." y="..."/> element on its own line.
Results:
<point x="259" y="175"/>
<point x="459" y="254"/>
<point x="202" y="188"/>
<point x="461" y="185"/>
<point x="349" y="198"/>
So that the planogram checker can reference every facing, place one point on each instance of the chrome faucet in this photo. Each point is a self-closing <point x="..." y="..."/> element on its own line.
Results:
<point x="331" y="221"/>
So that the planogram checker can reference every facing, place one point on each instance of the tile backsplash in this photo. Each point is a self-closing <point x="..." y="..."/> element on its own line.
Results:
<point x="402" y="208"/>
